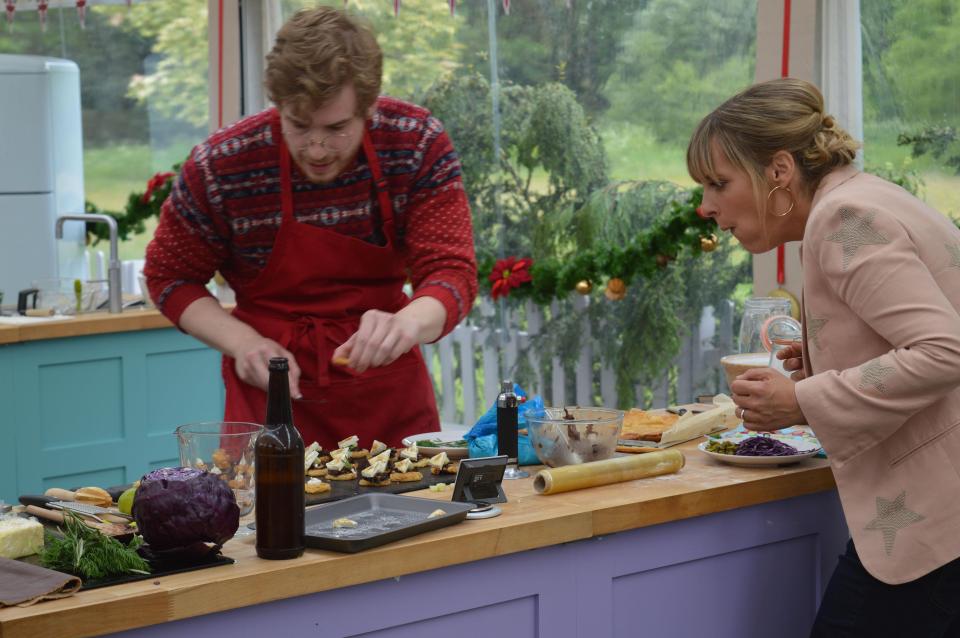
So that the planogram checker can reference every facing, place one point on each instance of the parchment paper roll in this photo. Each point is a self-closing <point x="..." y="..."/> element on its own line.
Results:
<point x="616" y="470"/>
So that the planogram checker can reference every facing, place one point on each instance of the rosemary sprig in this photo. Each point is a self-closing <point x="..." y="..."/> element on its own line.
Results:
<point x="89" y="554"/>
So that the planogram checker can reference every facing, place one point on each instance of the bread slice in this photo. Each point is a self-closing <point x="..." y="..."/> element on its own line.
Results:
<point x="381" y="483"/>
<point x="640" y="425"/>
<point x="406" y="477"/>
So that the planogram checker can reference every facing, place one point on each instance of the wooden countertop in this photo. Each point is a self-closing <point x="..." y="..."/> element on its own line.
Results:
<point x="93" y="323"/>
<point x="529" y="521"/>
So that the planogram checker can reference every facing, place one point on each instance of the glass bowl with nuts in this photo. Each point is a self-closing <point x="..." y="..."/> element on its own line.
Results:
<point x="225" y="449"/>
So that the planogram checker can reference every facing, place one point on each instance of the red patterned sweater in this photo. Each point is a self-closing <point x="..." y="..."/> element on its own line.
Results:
<point x="223" y="212"/>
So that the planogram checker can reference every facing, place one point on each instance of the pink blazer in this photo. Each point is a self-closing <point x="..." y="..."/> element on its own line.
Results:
<point x="881" y="274"/>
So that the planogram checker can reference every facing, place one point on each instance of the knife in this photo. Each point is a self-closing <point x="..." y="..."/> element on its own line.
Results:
<point x="83" y="509"/>
<point x="49" y="503"/>
<point x="36" y="500"/>
<point x="116" y="530"/>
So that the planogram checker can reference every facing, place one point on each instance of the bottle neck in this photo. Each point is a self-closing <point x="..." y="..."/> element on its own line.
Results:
<point x="279" y="408"/>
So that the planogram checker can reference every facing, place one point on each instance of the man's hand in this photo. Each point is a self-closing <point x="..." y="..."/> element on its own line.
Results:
<point x="252" y="363"/>
<point x="206" y="320"/>
<point x="767" y="400"/>
<point x="381" y="339"/>
<point x="384" y="337"/>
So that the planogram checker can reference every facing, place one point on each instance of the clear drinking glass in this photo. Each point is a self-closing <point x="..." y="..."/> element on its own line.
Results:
<point x="781" y="332"/>
<point x="224" y="448"/>
<point x="756" y="312"/>
<point x="60" y="294"/>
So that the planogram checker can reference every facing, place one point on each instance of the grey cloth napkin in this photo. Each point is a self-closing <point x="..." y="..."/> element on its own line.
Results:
<point x="24" y="584"/>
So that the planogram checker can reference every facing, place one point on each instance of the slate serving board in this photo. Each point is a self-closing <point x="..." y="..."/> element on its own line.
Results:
<point x="345" y="489"/>
<point x="159" y="565"/>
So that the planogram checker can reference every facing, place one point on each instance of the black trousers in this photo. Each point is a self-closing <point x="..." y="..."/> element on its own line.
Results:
<point x="857" y="604"/>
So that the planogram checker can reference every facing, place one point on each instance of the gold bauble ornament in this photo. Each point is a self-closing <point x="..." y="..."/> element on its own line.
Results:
<point x="616" y="289"/>
<point x="708" y="244"/>
<point x="583" y="287"/>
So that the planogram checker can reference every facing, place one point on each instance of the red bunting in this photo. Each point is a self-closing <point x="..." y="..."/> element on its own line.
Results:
<point x="11" y="7"/>
<point x="396" y="8"/>
<point x="506" y="7"/>
<point x="82" y="13"/>
<point x="42" y="6"/>
<point x="453" y="7"/>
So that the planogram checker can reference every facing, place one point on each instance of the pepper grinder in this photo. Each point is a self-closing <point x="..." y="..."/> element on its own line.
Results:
<point x="507" y="437"/>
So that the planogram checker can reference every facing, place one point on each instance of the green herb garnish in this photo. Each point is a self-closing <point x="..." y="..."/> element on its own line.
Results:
<point x="78" y="292"/>
<point x="431" y="443"/>
<point x="87" y="553"/>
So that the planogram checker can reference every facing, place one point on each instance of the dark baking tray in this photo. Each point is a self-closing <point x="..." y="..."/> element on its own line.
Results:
<point x="382" y="518"/>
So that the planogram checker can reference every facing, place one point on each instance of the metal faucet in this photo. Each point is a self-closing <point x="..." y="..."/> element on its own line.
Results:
<point x="114" y="287"/>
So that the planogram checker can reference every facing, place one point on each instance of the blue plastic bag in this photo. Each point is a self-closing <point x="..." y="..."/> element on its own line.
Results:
<point x="482" y="437"/>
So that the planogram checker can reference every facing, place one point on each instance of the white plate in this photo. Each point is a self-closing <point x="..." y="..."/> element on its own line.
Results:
<point x="806" y="447"/>
<point x="440" y="438"/>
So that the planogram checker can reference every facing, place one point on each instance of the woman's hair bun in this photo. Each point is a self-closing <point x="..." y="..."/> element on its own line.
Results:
<point x="832" y="146"/>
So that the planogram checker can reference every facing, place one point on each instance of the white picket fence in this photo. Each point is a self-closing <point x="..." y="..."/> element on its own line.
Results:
<point x="464" y="392"/>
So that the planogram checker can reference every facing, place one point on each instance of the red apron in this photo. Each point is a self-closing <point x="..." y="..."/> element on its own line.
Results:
<point x="309" y="298"/>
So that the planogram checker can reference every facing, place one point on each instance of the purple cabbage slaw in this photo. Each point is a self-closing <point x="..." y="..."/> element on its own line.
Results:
<point x="764" y="446"/>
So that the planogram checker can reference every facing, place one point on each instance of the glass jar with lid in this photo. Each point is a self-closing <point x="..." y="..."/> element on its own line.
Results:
<point x="756" y="312"/>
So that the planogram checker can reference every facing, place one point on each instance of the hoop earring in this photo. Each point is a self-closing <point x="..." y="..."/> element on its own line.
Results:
<point x="793" y="201"/>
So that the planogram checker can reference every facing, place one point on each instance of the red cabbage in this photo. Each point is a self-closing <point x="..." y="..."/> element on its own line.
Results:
<point x="764" y="446"/>
<point x="177" y="508"/>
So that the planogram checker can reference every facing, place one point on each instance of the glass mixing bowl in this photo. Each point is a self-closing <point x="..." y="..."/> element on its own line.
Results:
<point x="224" y="448"/>
<point x="571" y="435"/>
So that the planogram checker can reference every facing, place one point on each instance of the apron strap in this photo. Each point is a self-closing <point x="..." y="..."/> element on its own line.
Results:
<point x="286" y="183"/>
<point x="379" y="186"/>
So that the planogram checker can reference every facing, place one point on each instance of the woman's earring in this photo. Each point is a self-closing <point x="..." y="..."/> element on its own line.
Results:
<point x="793" y="201"/>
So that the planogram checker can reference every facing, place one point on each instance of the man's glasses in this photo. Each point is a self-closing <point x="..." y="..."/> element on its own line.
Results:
<point x="333" y="142"/>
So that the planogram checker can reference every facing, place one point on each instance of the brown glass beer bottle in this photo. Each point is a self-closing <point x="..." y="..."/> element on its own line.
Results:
<point x="279" y="473"/>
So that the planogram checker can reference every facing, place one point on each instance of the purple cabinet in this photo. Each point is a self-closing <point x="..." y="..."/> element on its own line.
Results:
<point x="751" y="572"/>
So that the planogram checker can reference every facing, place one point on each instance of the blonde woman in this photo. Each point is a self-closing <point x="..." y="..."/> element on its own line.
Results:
<point x="877" y="375"/>
<point x="316" y="211"/>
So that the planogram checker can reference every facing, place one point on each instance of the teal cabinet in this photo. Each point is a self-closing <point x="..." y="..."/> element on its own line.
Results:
<point x="100" y="409"/>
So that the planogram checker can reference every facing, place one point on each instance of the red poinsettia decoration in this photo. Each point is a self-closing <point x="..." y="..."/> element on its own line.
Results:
<point x="508" y="274"/>
<point x="155" y="182"/>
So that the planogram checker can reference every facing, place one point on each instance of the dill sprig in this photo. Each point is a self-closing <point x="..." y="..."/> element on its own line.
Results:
<point x="87" y="553"/>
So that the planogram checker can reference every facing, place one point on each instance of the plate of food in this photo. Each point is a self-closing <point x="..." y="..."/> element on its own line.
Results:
<point x="433" y="443"/>
<point x="759" y="449"/>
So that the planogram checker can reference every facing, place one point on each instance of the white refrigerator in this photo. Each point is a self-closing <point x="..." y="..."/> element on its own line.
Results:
<point x="41" y="175"/>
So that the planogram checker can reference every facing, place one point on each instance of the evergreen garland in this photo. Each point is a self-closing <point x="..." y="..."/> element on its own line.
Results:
<point x="140" y="207"/>
<point x="638" y="258"/>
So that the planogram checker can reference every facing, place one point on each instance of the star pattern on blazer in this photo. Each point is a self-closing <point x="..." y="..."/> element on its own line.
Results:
<point x="855" y="232"/>
<point x="954" y="250"/>
<point x="873" y="375"/>
<point x="892" y="516"/>
<point x="814" y="326"/>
